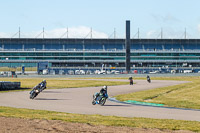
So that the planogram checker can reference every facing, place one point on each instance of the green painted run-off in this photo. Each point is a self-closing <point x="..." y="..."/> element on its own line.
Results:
<point x="143" y="103"/>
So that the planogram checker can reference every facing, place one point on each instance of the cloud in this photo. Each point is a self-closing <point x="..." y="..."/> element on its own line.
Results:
<point x="168" y="33"/>
<point x="165" y="19"/>
<point x="151" y="34"/>
<point x="73" y="32"/>
<point x="198" y="27"/>
<point x="4" y="35"/>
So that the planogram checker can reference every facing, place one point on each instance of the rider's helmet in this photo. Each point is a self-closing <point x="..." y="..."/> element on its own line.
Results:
<point x="105" y="87"/>
<point x="44" y="81"/>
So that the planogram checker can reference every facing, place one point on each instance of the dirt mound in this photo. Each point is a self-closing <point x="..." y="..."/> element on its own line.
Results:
<point x="18" y="125"/>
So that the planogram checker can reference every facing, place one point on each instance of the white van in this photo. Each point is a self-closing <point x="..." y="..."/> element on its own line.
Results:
<point x="187" y="71"/>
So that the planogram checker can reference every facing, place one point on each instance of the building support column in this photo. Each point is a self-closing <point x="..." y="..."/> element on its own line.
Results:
<point x="127" y="44"/>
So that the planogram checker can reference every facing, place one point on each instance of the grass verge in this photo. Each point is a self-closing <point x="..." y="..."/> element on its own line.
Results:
<point x="101" y="120"/>
<point x="181" y="96"/>
<point x="58" y="83"/>
<point x="18" y="69"/>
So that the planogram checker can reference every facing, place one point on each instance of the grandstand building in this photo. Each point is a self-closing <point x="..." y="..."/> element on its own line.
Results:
<point x="92" y="53"/>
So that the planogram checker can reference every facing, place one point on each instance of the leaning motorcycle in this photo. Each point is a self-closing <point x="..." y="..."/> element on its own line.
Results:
<point x="100" y="99"/>
<point x="149" y="80"/>
<point x="34" y="93"/>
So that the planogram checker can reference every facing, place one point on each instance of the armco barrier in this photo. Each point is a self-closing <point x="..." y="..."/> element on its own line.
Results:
<point x="5" y="85"/>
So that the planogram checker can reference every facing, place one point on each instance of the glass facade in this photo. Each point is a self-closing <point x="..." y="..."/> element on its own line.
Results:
<point x="95" y="52"/>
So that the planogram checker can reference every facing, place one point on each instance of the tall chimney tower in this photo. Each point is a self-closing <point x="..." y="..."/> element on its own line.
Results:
<point x="127" y="44"/>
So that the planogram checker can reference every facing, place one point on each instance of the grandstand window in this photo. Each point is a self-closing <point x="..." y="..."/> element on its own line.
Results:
<point x="190" y="45"/>
<point x="55" y="54"/>
<point x="53" y="45"/>
<point x="30" y="58"/>
<point x="33" y="44"/>
<point x="6" y="54"/>
<point x="73" y="46"/>
<point x="22" y="58"/>
<point x="23" y="54"/>
<point x="47" y="54"/>
<point x="15" y="45"/>
<point x="113" y="46"/>
<point x="134" y="54"/>
<point x="75" y="54"/>
<point x="93" y="46"/>
<point x="14" y="54"/>
<point x="136" y="46"/>
<point x="63" y="54"/>
<point x="31" y="54"/>
<point x="39" y="54"/>
<point x="175" y="54"/>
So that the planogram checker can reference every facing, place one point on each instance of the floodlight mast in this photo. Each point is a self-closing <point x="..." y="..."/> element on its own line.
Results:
<point x="185" y="33"/>
<point x="43" y="32"/>
<point x="114" y="33"/>
<point x="19" y="32"/>
<point x="16" y="34"/>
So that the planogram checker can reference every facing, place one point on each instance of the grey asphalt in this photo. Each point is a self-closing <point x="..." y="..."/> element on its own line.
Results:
<point x="79" y="100"/>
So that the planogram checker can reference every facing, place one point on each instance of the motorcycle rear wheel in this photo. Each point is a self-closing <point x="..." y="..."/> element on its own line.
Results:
<point x="93" y="102"/>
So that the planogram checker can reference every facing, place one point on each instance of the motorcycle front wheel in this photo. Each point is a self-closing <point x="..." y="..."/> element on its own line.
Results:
<point x="32" y="95"/>
<point x="103" y="101"/>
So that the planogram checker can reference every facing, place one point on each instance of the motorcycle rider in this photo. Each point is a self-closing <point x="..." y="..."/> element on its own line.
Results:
<point x="37" y="87"/>
<point x="44" y="84"/>
<point x="131" y="80"/>
<point x="148" y="78"/>
<point x="102" y="91"/>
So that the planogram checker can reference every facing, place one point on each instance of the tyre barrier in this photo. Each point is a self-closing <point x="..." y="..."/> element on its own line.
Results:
<point x="6" y="85"/>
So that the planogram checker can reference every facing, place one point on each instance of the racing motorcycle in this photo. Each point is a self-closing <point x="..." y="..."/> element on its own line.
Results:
<point x="34" y="92"/>
<point x="148" y="79"/>
<point x="99" y="98"/>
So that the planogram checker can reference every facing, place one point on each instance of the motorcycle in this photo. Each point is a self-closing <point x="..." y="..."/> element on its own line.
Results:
<point x="34" y="92"/>
<point x="99" y="98"/>
<point x="149" y="80"/>
<point x="131" y="82"/>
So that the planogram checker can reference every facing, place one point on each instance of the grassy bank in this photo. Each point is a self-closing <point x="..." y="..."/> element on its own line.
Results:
<point x="101" y="120"/>
<point x="57" y="83"/>
<point x="183" y="96"/>
<point x="18" y="69"/>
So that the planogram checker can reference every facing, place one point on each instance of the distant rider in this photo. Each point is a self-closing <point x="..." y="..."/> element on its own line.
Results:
<point x="131" y="80"/>
<point x="148" y="78"/>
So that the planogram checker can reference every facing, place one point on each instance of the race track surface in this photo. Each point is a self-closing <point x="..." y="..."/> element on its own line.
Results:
<point x="78" y="100"/>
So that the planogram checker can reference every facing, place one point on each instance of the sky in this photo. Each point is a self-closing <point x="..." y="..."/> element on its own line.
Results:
<point x="77" y="18"/>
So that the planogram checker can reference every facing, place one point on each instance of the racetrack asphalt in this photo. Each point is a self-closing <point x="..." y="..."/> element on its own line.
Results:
<point x="79" y="100"/>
